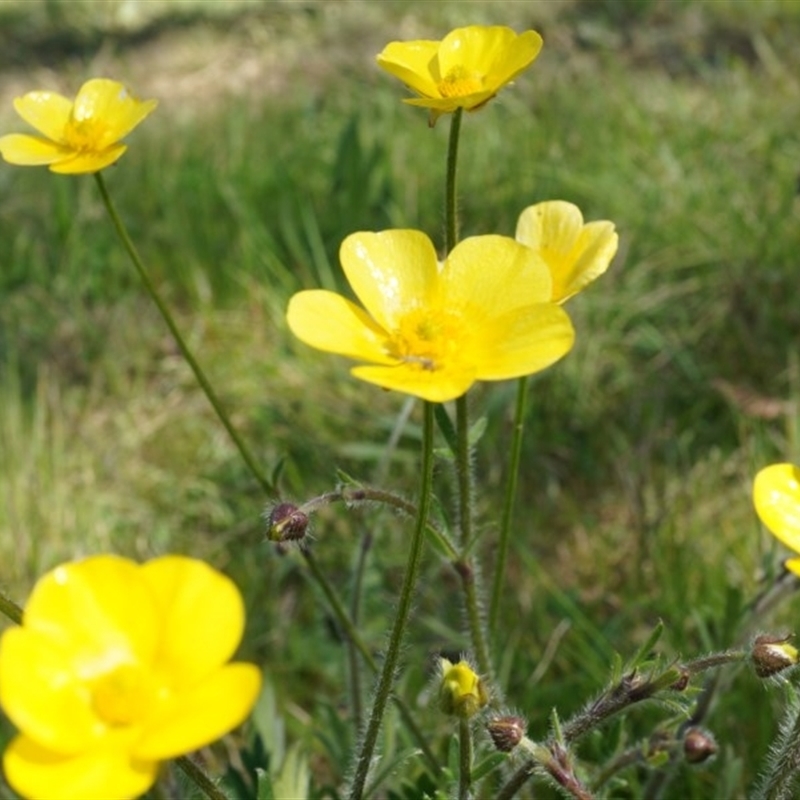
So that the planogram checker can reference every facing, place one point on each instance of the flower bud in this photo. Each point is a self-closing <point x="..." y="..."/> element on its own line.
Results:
<point x="773" y="654"/>
<point x="461" y="692"/>
<point x="507" y="732"/>
<point x="698" y="745"/>
<point x="286" y="523"/>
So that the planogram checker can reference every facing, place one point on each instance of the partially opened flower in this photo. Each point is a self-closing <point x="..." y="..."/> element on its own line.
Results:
<point x="776" y="496"/>
<point x="465" y="70"/>
<point x="576" y="253"/>
<point x="432" y="330"/>
<point x="116" y="667"/>
<point x="77" y="136"/>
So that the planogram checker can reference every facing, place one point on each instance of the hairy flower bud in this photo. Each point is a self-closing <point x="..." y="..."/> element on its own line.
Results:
<point x="461" y="691"/>
<point x="507" y="732"/>
<point x="286" y="523"/>
<point x="773" y="654"/>
<point x="698" y="745"/>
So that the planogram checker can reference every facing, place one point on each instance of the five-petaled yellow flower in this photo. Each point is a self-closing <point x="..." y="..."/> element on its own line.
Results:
<point x="576" y="253"/>
<point x="432" y="330"/>
<point x="77" y="137"/>
<point x="116" y="667"/>
<point x="465" y="70"/>
<point x="776" y="496"/>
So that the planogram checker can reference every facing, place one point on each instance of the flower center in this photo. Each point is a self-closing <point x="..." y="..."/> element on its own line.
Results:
<point x="460" y="83"/>
<point x="84" y="134"/>
<point x="428" y="339"/>
<point x="120" y="696"/>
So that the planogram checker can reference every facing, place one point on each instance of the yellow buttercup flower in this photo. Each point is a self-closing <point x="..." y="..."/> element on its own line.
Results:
<point x="116" y="667"/>
<point x="432" y="330"/>
<point x="461" y="691"/>
<point x="776" y="496"/>
<point x="78" y="136"/>
<point x="465" y="70"/>
<point x="576" y="253"/>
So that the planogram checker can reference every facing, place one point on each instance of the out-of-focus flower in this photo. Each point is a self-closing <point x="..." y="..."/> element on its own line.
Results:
<point x="464" y="70"/>
<point x="576" y="253"/>
<point x="77" y="136"/>
<point x="116" y="667"/>
<point x="461" y="690"/>
<point x="432" y="330"/>
<point x="776" y="496"/>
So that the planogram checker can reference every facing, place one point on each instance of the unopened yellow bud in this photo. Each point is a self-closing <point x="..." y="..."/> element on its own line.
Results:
<point x="461" y="692"/>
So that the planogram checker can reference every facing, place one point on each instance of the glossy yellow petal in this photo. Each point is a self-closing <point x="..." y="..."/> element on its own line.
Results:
<point x="412" y="63"/>
<point x="201" y="617"/>
<point x="35" y="772"/>
<point x="43" y="693"/>
<point x="47" y="112"/>
<point x="108" y="102"/>
<point x="31" y="151"/>
<point x="95" y="607"/>
<point x="522" y="342"/>
<point x="488" y="276"/>
<point x="390" y="272"/>
<point x="331" y="323"/>
<point x="776" y="495"/>
<point x="436" y="386"/>
<point x="201" y="714"/>
<point x="793" y="565"/>
<point x="575" y="253"/>
<point x="89" y="162"/>
<point x="446" y="105"/>
<point x="492" y="54"/>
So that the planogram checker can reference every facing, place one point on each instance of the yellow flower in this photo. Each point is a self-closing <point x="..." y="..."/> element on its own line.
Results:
<point x="116" y="667"/>
<point x="80" y="136"/>
<point x="432" y="330"/>
<point x="461" y="691"/>
<point x="465" y="70"/>
<point x="576" y="253"/>
<point x="776" y="496"/>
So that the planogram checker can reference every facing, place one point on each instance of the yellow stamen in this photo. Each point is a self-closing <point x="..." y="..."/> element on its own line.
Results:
<point x="460" y="83"/>
<point x="119" y="696"/>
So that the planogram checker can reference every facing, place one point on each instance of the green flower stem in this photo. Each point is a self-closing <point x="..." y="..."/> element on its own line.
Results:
<point x="508" y="505"/>
<point x="10" y="609"/>
<point x="369" y="494"/>
<point x="464" y="759"/>
<point x="387" y="675"/>
<point x="200" y="779"/>
<point x="451" y="199"/>
<point x="350" y="631"/>
<point x="355" y="614"/>
<point x="783" y="762"/>
<point x="185" y="352"/>
<point x="464" y="565"/>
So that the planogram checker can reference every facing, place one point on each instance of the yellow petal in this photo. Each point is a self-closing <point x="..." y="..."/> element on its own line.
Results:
<point x="523" y="342"/>
<point x="42" y="692"/>
<point x="412" y="62"/>
<point x="48" y="112"/>
<point x="495" y="53"/>
<point x="488" y="276"/>
<point x="776" y="495"/>
<point x="331" y="323"/>
<point x="436" y="386"/>
<point x="575" y="253"/>
<point x="35" y="772"/>
<point x="110" y="101"/>
<point x="446" y="105"/>
<point x="82" y="163"/>
<point x="200" y="715"/>
<point x="391" y="272"/>
<point x="31" y="151"/>
<point x="95" y="607"/>
<point x="200" y="616"/>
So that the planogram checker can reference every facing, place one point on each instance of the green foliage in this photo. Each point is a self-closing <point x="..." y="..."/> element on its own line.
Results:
<point x="634" y="495"/>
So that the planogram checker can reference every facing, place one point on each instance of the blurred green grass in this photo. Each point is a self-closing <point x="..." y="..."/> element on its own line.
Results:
<point x="678" y="121"/>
